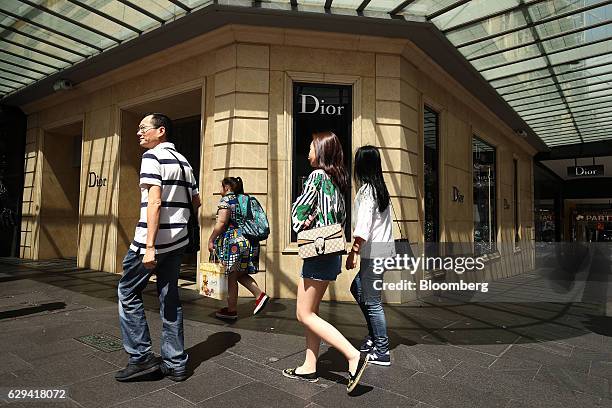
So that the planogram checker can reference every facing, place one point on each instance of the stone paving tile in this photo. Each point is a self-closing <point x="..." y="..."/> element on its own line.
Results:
<point x="256" y="354"/>
<point x="67" y="403"/>
<point x="213" y="381"/>
<point x="545" y="357"/>
<point x="363" y="396"/>
<point x="444" y="393"/>
<point x="66" y="369"/>
<point x="506" y="363"/>
<point x="457" y="353"/>
<point x="589" y="341"/>
<point x="588" y="400"/>
<point x="25" y="378"/>
<point x="118" y="359"/>
<point x="273" y="377"/>
<point x="161" y="398"/>
<point x="386" y="377"/>
<point x="475" y="335"/>
<point x="253" y="395"/>
<point x="554" y="347"/>
<point x="104" y="390"/>
<point x="420" y="360"/>
<point x="583" y="354"/>
<point x="511" y="386"/>
<point x="210" y="346"/>
<point x="12" y="362"/>
<point x="574" y="381"/>
<point x="331" y="365"/>
<point x="33" y="352"/>
<point x="424" y="405"/>
<point x="558" y="346"/>
<point x="601" y="369"/>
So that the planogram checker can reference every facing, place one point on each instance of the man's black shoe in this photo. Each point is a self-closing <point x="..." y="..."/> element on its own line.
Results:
<point x="134" y="370"/>
<point x="174" y="374"/>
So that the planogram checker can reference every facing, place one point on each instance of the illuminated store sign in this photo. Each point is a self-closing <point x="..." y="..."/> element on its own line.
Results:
<point x="585" y="171"/>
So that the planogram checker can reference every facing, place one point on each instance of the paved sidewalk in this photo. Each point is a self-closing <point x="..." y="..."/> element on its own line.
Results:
<point x="527" y="351"/>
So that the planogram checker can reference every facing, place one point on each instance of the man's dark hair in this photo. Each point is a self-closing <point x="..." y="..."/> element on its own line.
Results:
<point x="160" y="120"/>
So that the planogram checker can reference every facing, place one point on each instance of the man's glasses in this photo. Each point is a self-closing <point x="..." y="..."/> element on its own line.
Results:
<point x="144" y="129"/>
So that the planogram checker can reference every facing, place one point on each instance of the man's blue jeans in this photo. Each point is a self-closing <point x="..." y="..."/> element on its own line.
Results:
<point x="134" y="328"/>
<point x="369" y="299"/>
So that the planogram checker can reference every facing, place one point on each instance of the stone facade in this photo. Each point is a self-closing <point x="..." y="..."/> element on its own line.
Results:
<point x="239" y="79"/>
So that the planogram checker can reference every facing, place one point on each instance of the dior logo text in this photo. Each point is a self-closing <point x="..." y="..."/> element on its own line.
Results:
<point x="319" y="106"/>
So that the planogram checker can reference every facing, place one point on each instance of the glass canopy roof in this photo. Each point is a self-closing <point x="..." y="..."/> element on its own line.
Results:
<point x="551" y="60"/>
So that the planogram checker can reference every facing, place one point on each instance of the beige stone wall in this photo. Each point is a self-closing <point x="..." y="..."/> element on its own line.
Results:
<point x="238" y="141"/>
<point x="247" y="75"/>
<point x="59" y="205"/>
<point x="31" y="191"/>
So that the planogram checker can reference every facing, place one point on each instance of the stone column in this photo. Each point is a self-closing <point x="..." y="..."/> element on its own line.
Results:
<point x="239" y="145"/>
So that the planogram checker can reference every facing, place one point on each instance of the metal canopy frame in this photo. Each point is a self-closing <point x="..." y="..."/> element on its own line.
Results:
<point x="51" y="30"/>
<point x="534" y="23"/>
<point x="143" y="11"/>
<point x="106" y="16"/>
<point x="70" y="20"/>
<point x="42" y="40"/>
<point x="562" y="50"/>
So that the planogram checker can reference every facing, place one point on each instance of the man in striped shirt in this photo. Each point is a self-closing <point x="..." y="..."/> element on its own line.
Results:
<point x="158" y="246"/>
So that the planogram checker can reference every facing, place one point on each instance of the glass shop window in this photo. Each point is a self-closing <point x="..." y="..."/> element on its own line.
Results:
<point x="485" y="208"/>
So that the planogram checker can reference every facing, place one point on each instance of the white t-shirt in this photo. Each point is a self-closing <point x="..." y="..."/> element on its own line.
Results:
<point x="160" y="168"/>
<point x="374" y="227"/>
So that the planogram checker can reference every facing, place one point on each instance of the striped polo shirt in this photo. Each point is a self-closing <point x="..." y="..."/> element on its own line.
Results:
<point x="160" y="168"/>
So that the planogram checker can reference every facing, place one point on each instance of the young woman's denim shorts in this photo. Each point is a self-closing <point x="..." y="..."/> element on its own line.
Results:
<point x="325" y="268"/>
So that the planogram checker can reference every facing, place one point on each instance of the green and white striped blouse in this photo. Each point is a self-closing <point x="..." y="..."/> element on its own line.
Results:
<point x="320" y="195"/>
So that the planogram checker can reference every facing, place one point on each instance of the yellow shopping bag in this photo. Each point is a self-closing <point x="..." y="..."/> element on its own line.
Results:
<point x="212" y="280"/>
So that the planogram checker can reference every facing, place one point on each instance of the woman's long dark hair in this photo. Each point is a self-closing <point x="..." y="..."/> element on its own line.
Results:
<point x="368" y="170"/>
<point x="234" y="183"/>
<point x="331" y="158"/>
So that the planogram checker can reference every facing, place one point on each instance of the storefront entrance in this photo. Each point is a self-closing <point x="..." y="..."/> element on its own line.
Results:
<point x="185" y="111"/>
<point x="590" y="221"/>
<point x="61" y="173"/>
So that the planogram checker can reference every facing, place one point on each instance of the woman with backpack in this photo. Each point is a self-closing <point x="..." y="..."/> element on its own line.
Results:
<point x="373" y="238"/>
<point x="239" y="254"/>
<point x="322" y="203"/>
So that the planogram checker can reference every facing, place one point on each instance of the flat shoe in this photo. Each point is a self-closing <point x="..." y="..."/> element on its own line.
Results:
<point x="354" y="379"/>
<point x="310" y="377"/>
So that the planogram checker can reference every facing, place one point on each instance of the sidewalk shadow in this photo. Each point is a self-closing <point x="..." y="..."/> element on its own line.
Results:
<point x="333" y="361"/>
<point x="214" y="345"/>
<point x="45" y="307"/>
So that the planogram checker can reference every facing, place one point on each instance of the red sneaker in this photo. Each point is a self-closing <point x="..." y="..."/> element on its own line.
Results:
<point x="226" y="314"/>
<point x="260" y="302"/>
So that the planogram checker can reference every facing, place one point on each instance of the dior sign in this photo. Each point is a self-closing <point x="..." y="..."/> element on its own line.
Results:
<point x="585" y="171"/>
<point x="318" y="106"/>
<point x="95" y="180"/>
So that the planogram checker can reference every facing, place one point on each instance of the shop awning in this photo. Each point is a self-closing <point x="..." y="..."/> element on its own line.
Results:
<point x="550" y="60"/>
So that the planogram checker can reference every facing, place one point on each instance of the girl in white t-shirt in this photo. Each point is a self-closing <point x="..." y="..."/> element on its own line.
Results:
<point x="373" y="238"/>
